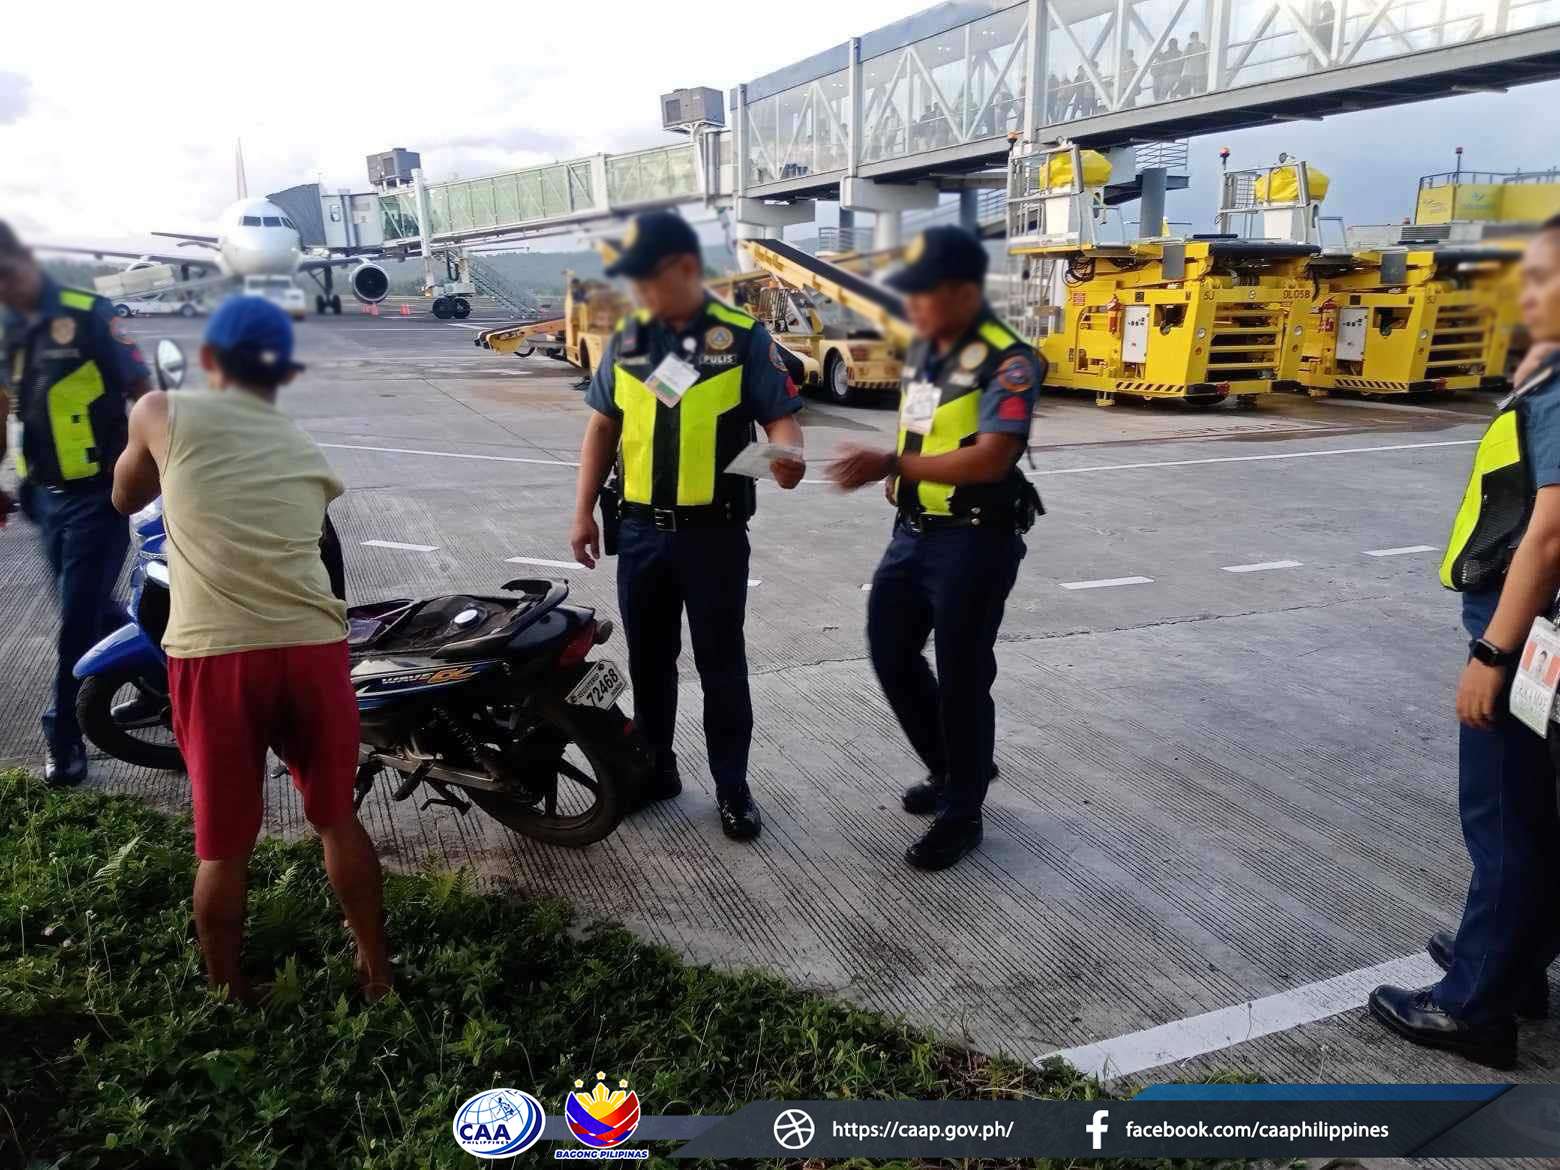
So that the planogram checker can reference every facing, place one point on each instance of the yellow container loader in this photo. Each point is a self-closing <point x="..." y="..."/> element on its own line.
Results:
<point x="1408" y="320"/>
<point x="1201" y="319"/>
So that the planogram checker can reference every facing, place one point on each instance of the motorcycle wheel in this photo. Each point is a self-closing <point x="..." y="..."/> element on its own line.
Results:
<point x="600" y="739"/>
<point x="125" y="741"/>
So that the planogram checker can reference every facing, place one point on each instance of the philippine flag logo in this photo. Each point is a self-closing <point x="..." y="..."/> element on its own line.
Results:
<point x="602" y="1118"/>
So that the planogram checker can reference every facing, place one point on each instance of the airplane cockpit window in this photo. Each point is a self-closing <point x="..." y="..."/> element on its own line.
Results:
<point x="273" y="221"/>
<point x="251" y="221"/>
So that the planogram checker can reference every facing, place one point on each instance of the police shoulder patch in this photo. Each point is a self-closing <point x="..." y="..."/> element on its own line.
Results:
<point x="1016" y="374"/>
<point x="776" y="359"/>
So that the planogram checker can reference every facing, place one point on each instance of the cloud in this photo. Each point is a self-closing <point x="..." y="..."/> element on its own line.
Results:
<point x="15" y="97"/>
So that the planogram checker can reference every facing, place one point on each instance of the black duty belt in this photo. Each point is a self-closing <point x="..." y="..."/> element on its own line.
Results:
<point x="919" y="522"/>
<point x="671" y="519"/>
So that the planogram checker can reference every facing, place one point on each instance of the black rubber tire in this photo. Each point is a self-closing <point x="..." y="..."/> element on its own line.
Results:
<point x="441" y="308"/>
<point x="121" y="310"/>
<point x="461" y="308"/>
<point x="94" y="714"/>
<point x="836" y="381"/>
<point x="321" y="306"/>
<point x="620" y="762"/>
<point x="186" y="310"/>
<point x="335" y="304"/>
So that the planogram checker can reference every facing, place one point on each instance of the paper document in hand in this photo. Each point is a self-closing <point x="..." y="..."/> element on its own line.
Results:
<point x="753" y="460"/>
<point x="1538" y="674"/>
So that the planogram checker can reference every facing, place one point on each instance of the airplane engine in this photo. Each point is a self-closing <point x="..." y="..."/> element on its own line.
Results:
<point x="370" y="283"/>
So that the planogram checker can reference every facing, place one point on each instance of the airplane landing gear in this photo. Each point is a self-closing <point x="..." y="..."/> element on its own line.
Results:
<point x="446" y="307"/>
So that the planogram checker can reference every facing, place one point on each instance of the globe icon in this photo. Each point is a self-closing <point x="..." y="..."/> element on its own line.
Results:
<point x="491" y="1110"/>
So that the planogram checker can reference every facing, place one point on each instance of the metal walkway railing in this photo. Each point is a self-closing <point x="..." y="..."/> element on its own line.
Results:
<point x="486" y="279"/>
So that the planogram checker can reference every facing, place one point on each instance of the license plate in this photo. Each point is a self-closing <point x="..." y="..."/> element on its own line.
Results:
<point x="602" y="686"/>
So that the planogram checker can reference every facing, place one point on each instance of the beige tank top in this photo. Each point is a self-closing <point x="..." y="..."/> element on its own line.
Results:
<point x="244" y="497"/>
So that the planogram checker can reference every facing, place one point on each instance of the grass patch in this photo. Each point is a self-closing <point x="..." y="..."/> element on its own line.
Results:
<point x="113" y="1054"/>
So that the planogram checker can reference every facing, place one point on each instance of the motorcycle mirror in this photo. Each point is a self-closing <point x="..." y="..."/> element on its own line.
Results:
<point x="170" y="365"/>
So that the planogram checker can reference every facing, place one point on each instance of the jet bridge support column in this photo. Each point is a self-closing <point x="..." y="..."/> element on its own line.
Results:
<point x="757" y="220"/>
<point x="887" y="202"/>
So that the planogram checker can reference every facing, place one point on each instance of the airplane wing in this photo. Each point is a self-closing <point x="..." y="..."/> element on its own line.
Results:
<point x="187" y="238"/>
<point x="111" y="254"/>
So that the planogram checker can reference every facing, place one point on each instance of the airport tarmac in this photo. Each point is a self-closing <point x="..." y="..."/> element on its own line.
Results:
<point x="1227" y="804"/>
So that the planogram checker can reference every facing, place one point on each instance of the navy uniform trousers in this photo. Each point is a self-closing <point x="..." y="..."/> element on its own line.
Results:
<point x="84" y="540"/>
<point x="705" y="571"/>
<point x="1510" y="929"/>
<point x="953" y="582"/>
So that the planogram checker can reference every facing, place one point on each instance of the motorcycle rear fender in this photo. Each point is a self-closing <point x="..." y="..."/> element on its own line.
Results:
<point x="552" y="627"/>
<point x="128" y="646"/>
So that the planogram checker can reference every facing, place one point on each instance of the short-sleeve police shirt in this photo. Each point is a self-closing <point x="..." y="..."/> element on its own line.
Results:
<point x="1541" y="436"/>
<point x="767" y="388"/>
<point x="1007" y="400"/>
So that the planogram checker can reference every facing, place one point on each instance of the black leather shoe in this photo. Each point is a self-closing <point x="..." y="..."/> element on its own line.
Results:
<point x="663" y="783"/>
<point x="67" y="771"/>
<point x="1531" y="1005"/>
<point x="922" y="799"/>
<point x="1415" y="1016"/>
<point x="945" y="843"/>
<point x="739" y="817"/>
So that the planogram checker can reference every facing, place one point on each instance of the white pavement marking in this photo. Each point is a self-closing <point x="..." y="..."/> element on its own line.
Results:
<point x="449" y="454"/>
<point x="1401" y="552"/>
<point x="1217" y="1030"/>
<point x="754" y="582"/>
<point x="544" y="564"/>
<point x="867" y="588"/>
<point x="1107" y="582"/>
<point x="455" y="325"/>
<point x="1256" y="458"/>
<point x="1261" y="566"/>
<point x="398" y="544"/>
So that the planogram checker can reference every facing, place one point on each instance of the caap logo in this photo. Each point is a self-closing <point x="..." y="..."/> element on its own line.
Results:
<point x="499" y="1123"/>
<point x="602" y="1118"/>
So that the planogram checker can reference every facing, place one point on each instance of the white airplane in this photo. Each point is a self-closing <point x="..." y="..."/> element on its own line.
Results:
<point x="256" y="240"/>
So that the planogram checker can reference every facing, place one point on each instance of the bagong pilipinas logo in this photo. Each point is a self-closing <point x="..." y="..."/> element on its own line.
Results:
<point x="602" y="1118"/>
<point x="499" y="1123"/>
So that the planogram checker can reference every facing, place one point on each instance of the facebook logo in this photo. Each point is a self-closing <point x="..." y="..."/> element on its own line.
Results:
<point x="1096" y="1129"/>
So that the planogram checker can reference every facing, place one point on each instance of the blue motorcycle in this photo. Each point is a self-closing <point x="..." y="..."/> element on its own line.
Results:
<point x="491" y="700"/>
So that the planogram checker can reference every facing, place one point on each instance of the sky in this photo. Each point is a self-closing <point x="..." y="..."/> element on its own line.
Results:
<point x="118" y="119"/>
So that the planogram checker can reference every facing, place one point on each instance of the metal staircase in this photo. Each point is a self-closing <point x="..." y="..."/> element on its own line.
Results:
<point x="487" y="281"/>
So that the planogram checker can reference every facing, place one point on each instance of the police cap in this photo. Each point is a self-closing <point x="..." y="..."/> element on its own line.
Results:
<point x="940" y="254"/>
<point x="651" y="237"/>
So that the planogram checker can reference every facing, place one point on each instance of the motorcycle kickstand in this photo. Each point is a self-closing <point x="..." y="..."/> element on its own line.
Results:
<point x="409" y="785"/>
<point x="446" y="797"/>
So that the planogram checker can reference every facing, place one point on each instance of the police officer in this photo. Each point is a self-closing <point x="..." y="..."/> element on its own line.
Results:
<point x="674" y="398"/>
<point x="966" y="397"/>
<point x="71" y="377"/>
<point x="1503" y="556"/>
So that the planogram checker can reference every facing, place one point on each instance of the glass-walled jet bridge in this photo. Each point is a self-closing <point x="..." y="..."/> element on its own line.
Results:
<point x="942" y="91"/>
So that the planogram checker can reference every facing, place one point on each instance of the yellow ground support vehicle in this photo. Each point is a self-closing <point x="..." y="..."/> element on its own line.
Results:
<point x="1407" y="321"/>
<point x="860" y="352"/>
<point x="1200" y="319"/>
<point x="591" y="311"/>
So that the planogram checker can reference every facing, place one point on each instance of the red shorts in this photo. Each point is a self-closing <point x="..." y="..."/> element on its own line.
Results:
<point x="229" y="708"/>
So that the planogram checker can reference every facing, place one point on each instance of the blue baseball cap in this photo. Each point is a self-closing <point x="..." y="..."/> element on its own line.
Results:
<point x="256" y="334"/>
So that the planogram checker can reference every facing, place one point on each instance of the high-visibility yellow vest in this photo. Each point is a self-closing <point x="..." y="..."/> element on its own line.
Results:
<point x="970" y="366"/>
<point x="673" y="456"/>
<point x="73" y="429"/>
<point x="1495" y="507"/>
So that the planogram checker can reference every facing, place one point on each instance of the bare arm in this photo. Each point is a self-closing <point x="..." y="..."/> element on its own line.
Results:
<point x="136" y="479"/>
<point x="786" y="431"/>
<point x="597" y="451"/>
<point x="1529" y="590"/>
<point x="987" y="460"/>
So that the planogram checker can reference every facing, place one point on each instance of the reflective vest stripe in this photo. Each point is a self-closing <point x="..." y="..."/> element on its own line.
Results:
<point x="69" y="401"/>
<point x="954" y="422"/>
<point x="997" y="335"/>
<point x="72" y="299"/>
<point x="729" y="315"/>
<point x="701" y="408"/>
<point x="696" y="417"/>
<point x="638" y="404"/>
<point x="1494" y="508"/>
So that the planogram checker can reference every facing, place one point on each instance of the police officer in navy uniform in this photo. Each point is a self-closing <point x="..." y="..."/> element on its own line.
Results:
<point x="674" y="399"/>
<point x="70" y="377"/>
<point x="962" y="507"/>
<point x="1503" y="556"/>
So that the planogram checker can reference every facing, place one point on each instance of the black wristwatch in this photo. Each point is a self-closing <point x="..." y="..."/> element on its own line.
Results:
<point x="1490" y="654"/>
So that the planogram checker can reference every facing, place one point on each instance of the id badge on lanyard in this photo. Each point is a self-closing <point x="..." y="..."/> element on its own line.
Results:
<point x="671" y="379"/>
<point x="919" y="407"/>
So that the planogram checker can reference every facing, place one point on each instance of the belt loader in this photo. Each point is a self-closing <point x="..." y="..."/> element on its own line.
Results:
<point x="1199" y="320"/>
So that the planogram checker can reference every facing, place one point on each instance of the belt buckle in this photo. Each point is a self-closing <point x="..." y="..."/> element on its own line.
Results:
<point x="664" y="519"/>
